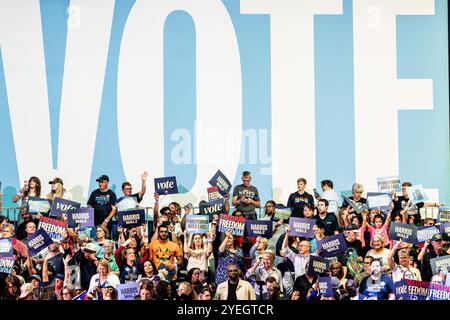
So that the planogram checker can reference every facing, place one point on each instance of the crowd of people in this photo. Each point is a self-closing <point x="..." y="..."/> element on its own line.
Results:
<point x="168" y="263"/>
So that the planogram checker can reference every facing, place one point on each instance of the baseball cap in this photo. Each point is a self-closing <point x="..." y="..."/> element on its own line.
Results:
<point x="59" y="276"/>
<point x="35" y="276"/>
<point x="56" y="180"/>
<point x="25" y="290"/>
<point x="103" y="177"/>
<point x="437" y="237"/>
<point x="90" y="247"/>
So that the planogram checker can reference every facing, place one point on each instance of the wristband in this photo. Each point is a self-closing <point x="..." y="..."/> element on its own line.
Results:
<point x="106" y="220"/>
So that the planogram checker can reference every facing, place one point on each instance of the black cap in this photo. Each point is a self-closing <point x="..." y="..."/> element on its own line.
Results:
<point x="103" y="177"/>
<point x="437" y="237"/>
<point x="56" y="180"/>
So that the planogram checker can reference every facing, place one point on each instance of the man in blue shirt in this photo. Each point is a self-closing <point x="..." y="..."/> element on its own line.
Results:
<point x="378" y="285"/>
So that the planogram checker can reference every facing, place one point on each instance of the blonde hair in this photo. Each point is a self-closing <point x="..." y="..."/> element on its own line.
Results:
<point x="104" y="263"/>
<point x="59" y="192"/>
<point x="357" y="187"/>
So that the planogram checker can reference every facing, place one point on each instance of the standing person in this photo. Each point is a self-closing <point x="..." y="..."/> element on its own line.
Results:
<point x="378" y="284"/>
<point x="229" y="254"/>
<point x="329" y="220"/>
<point x="300" y="260"/>
<point x="88" y="264"/>
<point x="357" y="191"/>
<point x="246" y="197"/>
<point x="298" y="199"/>
<point x="330" y="195"/>
<point x="58" y="190"/>
<point x="234" y="288"/>
<point x="31" y="188"/>
<point x="197" y="253"/>
<point x="434" y="251"/>
<point x="127" y="190"/>
<point x="103" y="200"/>
<point x="163" y="253"/>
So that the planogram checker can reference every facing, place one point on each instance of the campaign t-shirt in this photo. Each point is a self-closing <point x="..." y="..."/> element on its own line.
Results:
<point x="241" y="191"/>
<point x="129" y="273"/>
<point x="102" y="203"/>
<point x="377" y="288"/>
<point x="298" y="201"/>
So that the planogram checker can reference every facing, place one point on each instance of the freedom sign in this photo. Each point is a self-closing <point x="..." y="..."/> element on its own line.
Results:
<point x="197" y="223"/>
<point x="84" y="217"/>
<point x="438" y="292"/>
<point x="236" y="225"/>
<point x="379" y="200"/>
<point x="404" y="232"/>
<point x="38" y="241"/>
<point x="166" y="185"/>
<point x="325" y="287"/>
<point x="131" y="218"/>
<point x="127" y="291"/>
<point x="6" y="264"/>
<point x="6" y="247"/>
<point x="56" y="229"/>
<point x="301" y="227"/>
<point x="389" y="184"/>
<point x="213" y="207"/>
<point x="426" y="233"/>
<point x="220" y="181"/>
<point x="259" y="228"/>
<point x="60" y="206"/>
<point x="332" y="245"/>
<point x="318" y="266"/>
<point x="38" y="205"/>
<point x="418" y="290"/>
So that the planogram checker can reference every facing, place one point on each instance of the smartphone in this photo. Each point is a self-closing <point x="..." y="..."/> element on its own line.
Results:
<point x="316" y="194"/>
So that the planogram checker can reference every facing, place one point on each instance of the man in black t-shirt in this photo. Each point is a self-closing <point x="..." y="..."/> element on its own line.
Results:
<point x="246" y="197"/>
<point x="103" y="201"/>
<point x="329" y="219"/>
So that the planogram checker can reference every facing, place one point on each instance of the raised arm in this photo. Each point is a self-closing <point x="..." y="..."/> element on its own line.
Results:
<point x="392" y="254"/>
<point x="156" y="207"/>
<point x="388" y="217"/>
<point x="143" y="184"/>
<point x="223" y="245"/>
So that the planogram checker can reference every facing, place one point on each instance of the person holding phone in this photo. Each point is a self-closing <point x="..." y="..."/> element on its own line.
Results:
<point x="31" y="188"/>
<point x="246" y="197"/>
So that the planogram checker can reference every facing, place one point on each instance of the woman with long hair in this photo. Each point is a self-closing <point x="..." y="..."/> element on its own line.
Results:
<point x="146" y="291"/>
<point x="196" y="252"/>
<point x="229" y="254"/>
<point x="58" y="190"/>
<point x="338" y="271"/>
<point x="31" y="188"/>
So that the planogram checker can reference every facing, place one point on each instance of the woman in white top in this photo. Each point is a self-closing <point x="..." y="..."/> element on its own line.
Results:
<point x="102" y="279"/>
<point x="196" y="253"/>
<point x="58" y="190"/>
